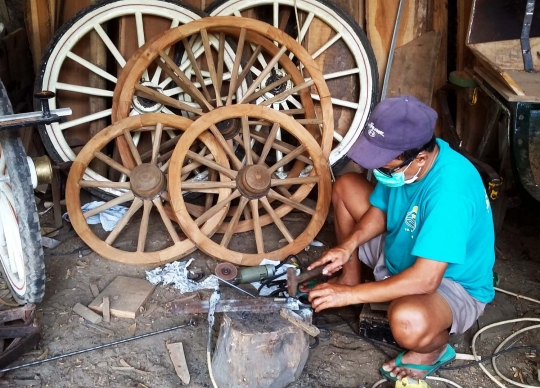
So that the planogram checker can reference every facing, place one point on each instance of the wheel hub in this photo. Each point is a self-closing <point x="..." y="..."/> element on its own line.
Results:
<point x="229" y="128"/>
<point x="146" y="105"/>
<point x="274" y="76"/>
<point x="147" y="181"/>
<point x="253" y="181"/>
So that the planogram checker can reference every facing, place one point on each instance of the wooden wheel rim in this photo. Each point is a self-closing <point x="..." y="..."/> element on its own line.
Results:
<point x="320" y="169"/>
<point x="73" y="187"/>
<point x="258" y="32"/>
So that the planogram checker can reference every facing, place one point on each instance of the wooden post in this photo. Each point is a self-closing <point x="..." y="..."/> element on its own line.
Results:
<point x="259" y="350"/>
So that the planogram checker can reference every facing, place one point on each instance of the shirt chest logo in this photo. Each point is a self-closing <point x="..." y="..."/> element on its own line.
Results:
<point x="410" y="219"/>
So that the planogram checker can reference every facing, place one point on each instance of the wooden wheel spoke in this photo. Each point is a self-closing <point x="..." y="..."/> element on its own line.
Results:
<point x="211" y="164"/>
<point x="247" y="68"/>
<point x="181" y="80"/>
<point x="212" y="176"/>
<point x="211" y="66"/>
<point x="234" y="83"/>
<point x="287" y="93"/>
<point x="288" y="158"/>
<point x="280" y="225"/>
<point x="216" y="208"/>
<point x="167" y="145"/>
<point x="156" y="96"/>
<point x="166" y="220"/>
<point x="143" y="229"/>
<point x="220" y="60"/>
<point x="226" y="147"/>
<point x="287" y="201"/>
<point x="268" y="144"/>
<point x="254" y="204"/>
<point x="295" y="181"/>
<point x="247" y="140"/>
<point x="264" y="73"/>
<point x="232" y="223"/>
<point x="136" y="205"/>
<point x="112" y="163"/>
<point x="270" y="87"/>
<point x="196" y="69"/>
<point x="157" y="143"/>
<point x="208" y="185"/>
<point x="278" y="145"/>
<point x="132" y="147"/>
<point x="104" y="184"/>
<point x="107" y="205"/>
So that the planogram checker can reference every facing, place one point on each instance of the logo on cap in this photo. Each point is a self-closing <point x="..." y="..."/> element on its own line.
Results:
<point x="372" y="131"/>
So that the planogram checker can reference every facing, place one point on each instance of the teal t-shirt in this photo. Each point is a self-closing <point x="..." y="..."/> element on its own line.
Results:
<point x="445" y="216"/>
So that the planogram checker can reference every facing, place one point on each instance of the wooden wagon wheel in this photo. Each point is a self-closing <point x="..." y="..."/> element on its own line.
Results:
<point x="146" y="188"/>
<point x="339" y="46"/>
<point x="257" y="41"/>
<point x="254" y="183"/>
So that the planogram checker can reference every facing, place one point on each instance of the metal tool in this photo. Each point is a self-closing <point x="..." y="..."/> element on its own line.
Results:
<point x="294" y="280"/>
<point x="191" y="322"/>
<point x="238" y="288"/>
<point x="46" y="116"/>
<point x="256" y="305"/>
<point x="392" y="50"/>
<point x="525" y="37"/>
<point x="231" y="273"/>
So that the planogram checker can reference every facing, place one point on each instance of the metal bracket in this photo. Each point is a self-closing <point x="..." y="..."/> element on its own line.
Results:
<point x="525" y="34"/>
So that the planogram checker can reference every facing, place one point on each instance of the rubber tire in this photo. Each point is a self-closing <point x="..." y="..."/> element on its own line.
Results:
<point x="51" y="150"/>
<point x="25" y="206"/>
<point x="339" y="164"/>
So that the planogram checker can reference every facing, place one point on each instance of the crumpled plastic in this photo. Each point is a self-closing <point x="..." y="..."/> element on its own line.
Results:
<point x="108" y="218"/>
<point x="176" y="273"/>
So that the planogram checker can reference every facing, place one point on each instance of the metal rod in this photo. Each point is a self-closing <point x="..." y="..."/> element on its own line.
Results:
<point x="392" y="48"/>
<point x="36" y="115"/>
<point x="192" y="322"/>
<point x="238" y="288"/>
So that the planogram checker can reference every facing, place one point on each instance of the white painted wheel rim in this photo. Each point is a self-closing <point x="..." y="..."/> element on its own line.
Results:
<point x="353" y="42"/>
<point x="11" y="252"/>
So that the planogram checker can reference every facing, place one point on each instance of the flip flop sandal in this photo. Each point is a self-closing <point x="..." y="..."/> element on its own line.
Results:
<point x="448" y="356"/>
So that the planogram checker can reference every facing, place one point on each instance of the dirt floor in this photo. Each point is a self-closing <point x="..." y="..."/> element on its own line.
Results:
<point x="343" y="360"/>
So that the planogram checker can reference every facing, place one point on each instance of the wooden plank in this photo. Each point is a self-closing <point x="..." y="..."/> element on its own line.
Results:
<point x="126" y="295"/>
<point x="439" y="17"/>
<point x="95" y="290"/>
<point x="506" y="54"/>
<point x="413" y="68"/>
<point x="380" y="22"/>
<point x="176" y="352"/>
<point x="106" y="309"/>
<point x="38" y="25"/>
<point x="86" y="313"/>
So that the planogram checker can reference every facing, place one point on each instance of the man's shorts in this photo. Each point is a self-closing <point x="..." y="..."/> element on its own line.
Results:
<point x="465" y="309"/>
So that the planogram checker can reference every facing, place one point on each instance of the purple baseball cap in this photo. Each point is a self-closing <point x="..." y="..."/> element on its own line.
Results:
<point x="396" y="125"/>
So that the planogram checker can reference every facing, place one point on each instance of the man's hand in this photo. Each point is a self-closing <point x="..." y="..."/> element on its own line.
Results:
<point x="329" y="295"/>
<point x="337" y="257"/>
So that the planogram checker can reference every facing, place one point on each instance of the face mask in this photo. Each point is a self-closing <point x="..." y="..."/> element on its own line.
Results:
<point x="397" y="179"/>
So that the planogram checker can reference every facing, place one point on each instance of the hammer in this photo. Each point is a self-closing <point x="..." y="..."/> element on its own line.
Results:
<point x="293" y="281"/>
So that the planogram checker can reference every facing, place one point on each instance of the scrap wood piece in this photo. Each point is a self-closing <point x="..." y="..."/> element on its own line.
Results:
<point x="132" y="294"/>
<point x="132" y="329"/>
<point x="413" y="68"/>
<point x="87" y="314"/>
<point x="178" y="358"/>
<point x="95" y="290"/>
<point x="299" y="322"/>
<point x="106" y="309"/>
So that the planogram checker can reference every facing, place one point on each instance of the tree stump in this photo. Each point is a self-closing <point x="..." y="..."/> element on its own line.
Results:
<point x="259" y="350"/>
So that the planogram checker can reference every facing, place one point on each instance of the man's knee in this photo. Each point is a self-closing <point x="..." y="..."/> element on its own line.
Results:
<point x="351" y="185"/>
<point x="410" y="324"/>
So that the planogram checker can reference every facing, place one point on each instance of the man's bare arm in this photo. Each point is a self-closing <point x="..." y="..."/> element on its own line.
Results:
<point x="372" y="224"/>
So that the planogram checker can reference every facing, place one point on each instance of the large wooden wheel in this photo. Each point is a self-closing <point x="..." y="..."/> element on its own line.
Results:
<point x="261" y="50"/>
<point x="338" y="45"/>
<point x="145" y="187"/>
<point x="261" y="198"/>
<point x="82" y="63"/>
